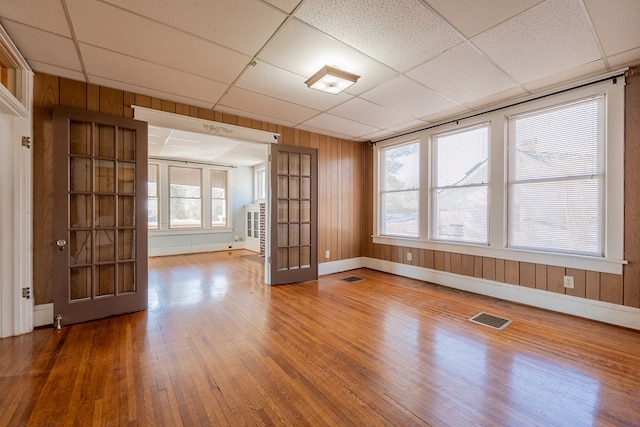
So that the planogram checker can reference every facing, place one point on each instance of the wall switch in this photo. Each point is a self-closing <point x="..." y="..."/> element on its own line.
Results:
<point x="327" y="254"/>
<point x="409" y="256"/>
<point x="568" y="282"/>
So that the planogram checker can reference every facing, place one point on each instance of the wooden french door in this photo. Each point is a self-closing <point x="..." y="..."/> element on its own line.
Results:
<point x="294" y="214"/>
<point x="100" y="221"/>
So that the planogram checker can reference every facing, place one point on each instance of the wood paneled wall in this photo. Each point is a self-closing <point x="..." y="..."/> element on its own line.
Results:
<point x="618" y="289"/>
<point x="340" y="168"/>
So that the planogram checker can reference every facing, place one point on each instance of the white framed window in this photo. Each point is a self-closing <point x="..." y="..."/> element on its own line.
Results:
<point x="260" y="183"/>
<point x="400" y="190"/>
<point x="553" y="187"/>
<point x="556" y="192"/>
<point x="460" y="185"/>
<point x="218" y="184"/>
<point x="185" y="197"/>
<point x="152" y="194"/>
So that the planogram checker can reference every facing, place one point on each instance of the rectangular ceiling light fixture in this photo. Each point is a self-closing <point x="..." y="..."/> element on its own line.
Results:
<point x="331" y="79"/>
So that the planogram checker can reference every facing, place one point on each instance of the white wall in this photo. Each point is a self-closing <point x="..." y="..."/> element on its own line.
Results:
<point x="173" y="242"/>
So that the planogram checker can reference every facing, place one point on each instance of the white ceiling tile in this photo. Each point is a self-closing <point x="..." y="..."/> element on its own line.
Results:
<point x="254" y="116"/>
<point x="50" y="49"/>
<point x="120" y="68"/>
<point x="278" y="83"/>
<point x="371" y="114"/>
<point x="330" y="123"/>
<point x="243" y="25"/>
<point x="409" y="97"/>
<point x="44" y="14"/>
<point x="583" y="71"/>
<point x="114" y="29"/>
<point x="549" y="38"/>
<point x="286" y="5"/>
<point x="245" y="100"/>
<point x="497" y="98"/>
<point x="409" y="35"/>
<point x="329" y="133"/>
<point x="54" y="70"/>
<point x="457" y="111"/>
<point x="472" y="17"/>
<point x="628" y="58"/>
<point x="462" y="74"/>
<point x="617" y="23"/>
<point x="303" y="50"/>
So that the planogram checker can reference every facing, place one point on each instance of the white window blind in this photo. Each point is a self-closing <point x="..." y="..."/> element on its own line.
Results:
<point x="556" y="178"/>
<point x="218" y="198"/>
<point x="185" y="204"/>
<point x="400" y="190"/>
<point x="152" y="193"/>
<point x="460" y="185"/>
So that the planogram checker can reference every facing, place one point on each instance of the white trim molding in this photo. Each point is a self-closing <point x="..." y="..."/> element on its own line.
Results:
<point x="194" y="249"/>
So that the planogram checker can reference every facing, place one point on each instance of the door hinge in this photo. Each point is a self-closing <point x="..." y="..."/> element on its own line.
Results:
<point x="26" y="141"/>
<point x="26" y="293"/>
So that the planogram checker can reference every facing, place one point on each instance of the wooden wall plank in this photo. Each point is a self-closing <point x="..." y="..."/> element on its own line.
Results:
<point x="477" y="266"/>
<point x="168" y="106"/>
<point x="541" y="277"/>
<point x="592" y="285"/>
<point x="555" y="279"/>
<point x="512" y="272"/>
<point x="527" y="274"/>
<point x="143" y="101"/>
<point x="579" y="282"/>
<point x="73" y="93"/>
<point x="129" y="100"/>
<point x="429" y="257"/>
<point x="182" y="109"/>
<point x="456" y="263"/>
<point x="499" y="270"/>
<point x="111" y="101"/>
<point x="489" y="268"/>
<point x="438" y="258"/>
<point x="324" y="242"/>
<point x="93" y="97"/>
<point x="632" y="191"/>
<point x="611" y="288"/>
<point x="467" y="267"/>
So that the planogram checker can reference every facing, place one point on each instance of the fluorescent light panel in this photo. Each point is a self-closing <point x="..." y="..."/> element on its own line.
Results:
<point x="331" y="79"/>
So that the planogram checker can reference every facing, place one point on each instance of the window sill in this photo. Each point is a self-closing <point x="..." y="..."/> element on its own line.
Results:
<point x="188" y="231"/>
<point x="602" y="265"/>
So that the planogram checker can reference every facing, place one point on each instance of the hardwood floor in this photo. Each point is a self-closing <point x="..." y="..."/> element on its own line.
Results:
<point x="217" y="347"/>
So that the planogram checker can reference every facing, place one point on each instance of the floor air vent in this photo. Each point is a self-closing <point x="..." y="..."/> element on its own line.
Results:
<point x="352" y="279"/>
<point x="490" y="320"/>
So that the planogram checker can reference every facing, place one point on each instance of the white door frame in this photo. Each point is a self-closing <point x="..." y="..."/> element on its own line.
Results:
<point x="16" y="197"/>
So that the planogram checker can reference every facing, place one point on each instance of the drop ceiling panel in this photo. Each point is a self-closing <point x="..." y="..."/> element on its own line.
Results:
<point x="329" y="132"/>
<point x="54" y="70"/>
<point x="278" y="83"/>
<point x="264" y="105"/>
<point x="113" y="29"/>
<point x="408" y="36"/>
<point x="50" y="49"/>
<point x="549" y="38"/>
<point x="254" y="116"/>
<point x="583" y="71"/>
<point x="472" y="17"/>
<point x="121" y="68"/>
<point x="331" y="123"/>
<point x="303" y="50"/>
<point x="617" y="23"/>
<point x="408" y="97"/>
<point x="44" y="14"/>
<point x="630" y="57"/>
<point x="285" y="5"/>
<point x="371" y="114"/>
<point x="463" y="75"/>
<point x="243" y="25"/>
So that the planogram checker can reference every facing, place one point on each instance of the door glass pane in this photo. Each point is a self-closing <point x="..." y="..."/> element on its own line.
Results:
<point x="80" y="138"/>
<point x="294" y="211"/>
<point x="283" y="235"/>
<point x="305" y="211"/>
<point x="105" y="211"/>
<point x="105" y="279"/>
<point x="294" y="164"/>
<point x="294" y="234"/>
<point x="105" y="245"/>
<point x="80" y="174"/>
<point x="283" y="187"/>
<point x="126" y="144"/>
<point x="283" y="164"/>
<point x="294" y="257"/>
<point x="305" y="257"/>
<point x="305" y="165"/>
<point x="126" y="245"/>
<point x="105" y="141"/>
<point x="126" y="211"/>
<point x="126" y="178"/>
<point x="283" y="211"/>
<point x="80" y="247"/>
<point x="294" y="187"/>
<point x="79" y="211"/>
<point x="79" y="283"/>
<point x="283" y="259"/>
<point x="305" y="234"/>
<point x="126" y="277"/>
<point x="105" y="176"/>
<point x="305" y="188"/>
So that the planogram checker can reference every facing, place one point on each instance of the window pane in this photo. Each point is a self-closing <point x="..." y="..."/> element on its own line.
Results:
<point x="460" y="196"/>
<point x="185" y="205"/>
<point x="218" y="213"/>
<point x="401" y="167"/>
<point x="556" y="191"/>
<point x="152" y="182"/>
<point x="461" y="214"/>
<point x="400" y="213"/>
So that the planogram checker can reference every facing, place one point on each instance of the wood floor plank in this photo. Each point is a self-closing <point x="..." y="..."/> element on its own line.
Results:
<point x="217" y="347"/>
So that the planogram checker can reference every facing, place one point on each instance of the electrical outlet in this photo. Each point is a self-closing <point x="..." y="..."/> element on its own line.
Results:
<point x="568" y="282"/>
<point x="327" y="254"/>
<point x="409" y="256"/>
